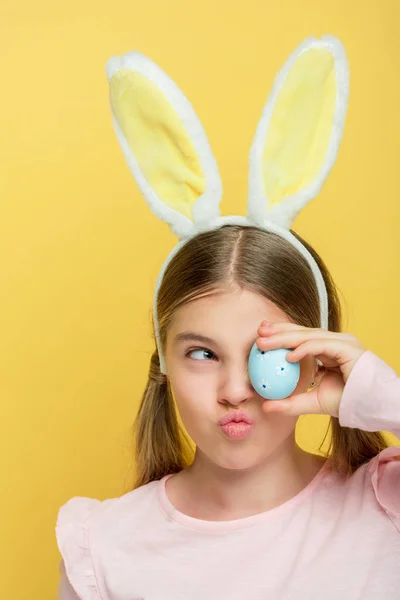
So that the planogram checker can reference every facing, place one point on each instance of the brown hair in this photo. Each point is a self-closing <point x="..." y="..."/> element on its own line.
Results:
<point x="266" y="264"/>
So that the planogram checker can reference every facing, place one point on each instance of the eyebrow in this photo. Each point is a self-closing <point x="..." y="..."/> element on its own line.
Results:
<point x="191" y="336"/>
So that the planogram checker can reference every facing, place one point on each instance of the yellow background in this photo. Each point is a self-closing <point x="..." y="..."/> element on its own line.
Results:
<point x="80" y="250"/>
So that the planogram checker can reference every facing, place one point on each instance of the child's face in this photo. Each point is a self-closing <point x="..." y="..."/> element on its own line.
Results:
<point x="209" y="380"/>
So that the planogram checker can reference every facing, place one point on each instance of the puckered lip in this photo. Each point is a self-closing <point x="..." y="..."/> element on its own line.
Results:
<point x="236" y="416"/>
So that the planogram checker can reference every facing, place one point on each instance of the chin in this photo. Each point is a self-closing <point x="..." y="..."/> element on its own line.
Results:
<point x="242" y="455"/>
<point x="239" y="460"/>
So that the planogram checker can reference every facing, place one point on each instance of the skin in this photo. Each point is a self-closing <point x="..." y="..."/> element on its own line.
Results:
<point x="232" y="479"/>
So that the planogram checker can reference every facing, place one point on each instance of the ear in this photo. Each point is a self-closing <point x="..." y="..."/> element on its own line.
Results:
<point x="319" y="372"/>
<point x="164" y="144"/>
<point x="297" y="138"/>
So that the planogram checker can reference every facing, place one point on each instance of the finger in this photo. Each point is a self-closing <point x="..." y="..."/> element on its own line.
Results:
<point x="269" y="327"/>
<point x="327" y="350"/>
<point x="294" y="406"/>
<point x="292" y="339"/>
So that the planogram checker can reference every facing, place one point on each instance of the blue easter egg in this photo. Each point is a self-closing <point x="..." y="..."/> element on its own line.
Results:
<point x="271" y="375"/>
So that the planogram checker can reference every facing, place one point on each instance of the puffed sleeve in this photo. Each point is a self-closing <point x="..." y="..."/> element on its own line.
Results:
<point x="78" y="579"/>
<point x="384" y="471"/>
<point x="65" y="589"/>
<point x="371" y="402"/>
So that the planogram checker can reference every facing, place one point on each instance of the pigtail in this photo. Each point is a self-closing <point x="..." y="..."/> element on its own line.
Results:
<point x="160" y="445"/>
<point x="350" y="448"/>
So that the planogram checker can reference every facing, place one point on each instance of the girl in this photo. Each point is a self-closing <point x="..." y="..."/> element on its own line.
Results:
<point x="251" y="514"/>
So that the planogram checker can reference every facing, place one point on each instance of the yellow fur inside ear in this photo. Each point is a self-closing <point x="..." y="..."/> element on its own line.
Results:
<point x="301" y="126"/>
<point x="158" y="140"/>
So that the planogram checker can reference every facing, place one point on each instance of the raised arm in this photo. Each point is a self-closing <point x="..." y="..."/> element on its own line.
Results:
<point x="371" y="396"/>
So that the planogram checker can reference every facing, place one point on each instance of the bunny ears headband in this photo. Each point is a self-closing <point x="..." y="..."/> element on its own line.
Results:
<point x="293" y="151"/>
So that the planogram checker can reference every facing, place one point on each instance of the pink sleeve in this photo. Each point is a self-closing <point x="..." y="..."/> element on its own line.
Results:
<point x="65" y="589"/>
<point x="371" y="396"/>
<point x="384" y="472"/>
<point x="371" y="402"/>
<point x="78" y="579"/>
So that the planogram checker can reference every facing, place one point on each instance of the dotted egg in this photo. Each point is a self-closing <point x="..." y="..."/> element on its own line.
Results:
<point x="271" y="375"/>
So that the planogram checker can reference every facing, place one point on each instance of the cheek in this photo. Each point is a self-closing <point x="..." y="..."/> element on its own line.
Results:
<point x="194" y="399"/>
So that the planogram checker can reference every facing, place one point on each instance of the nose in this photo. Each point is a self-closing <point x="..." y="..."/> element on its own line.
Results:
<point x="235" y="388"/>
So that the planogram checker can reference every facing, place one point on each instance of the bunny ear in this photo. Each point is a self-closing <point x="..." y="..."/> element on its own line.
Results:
<point x="298" y="136"/>
<point x="164" y="144"/>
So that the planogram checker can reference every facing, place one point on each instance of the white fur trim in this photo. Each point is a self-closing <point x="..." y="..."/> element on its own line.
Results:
<point x="285" y="213"/>
<point x="206" y="207"/>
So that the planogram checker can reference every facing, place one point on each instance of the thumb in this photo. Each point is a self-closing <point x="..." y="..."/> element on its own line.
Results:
<point x="299" y="404"/>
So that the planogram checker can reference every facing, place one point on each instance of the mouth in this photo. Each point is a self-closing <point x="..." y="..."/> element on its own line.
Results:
<point x="237" y="425"/>
<point x="237" y="431"/>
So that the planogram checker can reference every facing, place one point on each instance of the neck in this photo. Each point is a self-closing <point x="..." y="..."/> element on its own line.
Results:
<point x="209" y="492"/>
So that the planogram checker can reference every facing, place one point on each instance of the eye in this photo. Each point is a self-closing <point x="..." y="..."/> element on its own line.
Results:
<point x="202" y="354"/>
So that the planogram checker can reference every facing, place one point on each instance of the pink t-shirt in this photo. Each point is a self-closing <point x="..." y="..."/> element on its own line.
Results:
<point x="336" y="539"/>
